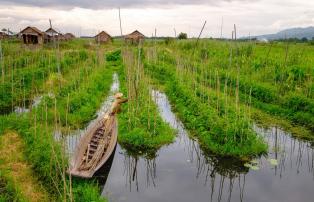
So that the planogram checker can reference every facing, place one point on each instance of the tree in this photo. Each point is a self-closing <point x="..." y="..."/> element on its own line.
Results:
<point x="182" y="36"/>
<point x="304" y="39"/>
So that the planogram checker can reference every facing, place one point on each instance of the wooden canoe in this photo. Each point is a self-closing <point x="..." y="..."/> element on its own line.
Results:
<point x="94" y="148"/>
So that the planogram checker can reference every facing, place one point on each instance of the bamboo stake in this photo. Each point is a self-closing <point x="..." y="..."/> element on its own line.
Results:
<point x="1" y="62"/>
<point x="120" y="23"/>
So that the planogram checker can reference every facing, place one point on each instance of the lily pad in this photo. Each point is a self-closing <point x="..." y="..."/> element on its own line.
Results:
<point x="253" y="167"/>
<point x="273" y="162"/>
<point x="254" y="161"/>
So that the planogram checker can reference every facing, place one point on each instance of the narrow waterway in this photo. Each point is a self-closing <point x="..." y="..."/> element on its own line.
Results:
<point x="182" y="172"/>
<point x="72" y="139"/>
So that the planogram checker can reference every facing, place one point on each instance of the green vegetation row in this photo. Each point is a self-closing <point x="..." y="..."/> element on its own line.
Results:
<point x="220" y="127"/>
<point x="141" y="129"/>
<point x="48" y="162"/>
<point x="27" y="72"/>
<point x="278" y="77"/>
<point x="69" y="101"/>
<point x="77" y="106"/>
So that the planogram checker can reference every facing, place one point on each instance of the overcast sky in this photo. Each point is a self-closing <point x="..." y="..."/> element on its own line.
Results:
<point x="87" y="17"/>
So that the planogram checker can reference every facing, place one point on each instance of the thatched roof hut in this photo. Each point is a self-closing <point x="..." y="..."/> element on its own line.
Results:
<point x="69" y="36"/>
<point x="103" y="37"/>
<point x="32" y="35"/>
<point x="134" y="37"/>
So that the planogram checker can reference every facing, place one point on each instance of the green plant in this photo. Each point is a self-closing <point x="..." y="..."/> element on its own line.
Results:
<point x="182" y="36"/>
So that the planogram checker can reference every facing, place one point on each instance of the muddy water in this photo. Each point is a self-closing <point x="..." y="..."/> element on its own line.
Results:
<point x="182" y="172"/>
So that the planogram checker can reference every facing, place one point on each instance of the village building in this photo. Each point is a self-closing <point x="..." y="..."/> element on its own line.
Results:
<point x="51" y="35"/>
<point x="51" y="32"/>
<point x="103" y="37"/>
<point x="134" y="37"/>
<point x="61" y="37"/>
<point x="69" y="36"/>
<point x="32" y="35"/>
<point x="3" y="35"/>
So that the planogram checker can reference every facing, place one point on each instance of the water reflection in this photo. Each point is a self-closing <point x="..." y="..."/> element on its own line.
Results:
<point x="221" y="175"/>
<point x="292" y="155"/>
<point x="183" y="171"/>
<point x="131" y="172"/>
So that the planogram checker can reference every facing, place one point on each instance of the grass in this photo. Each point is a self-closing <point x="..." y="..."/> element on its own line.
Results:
<point x="15" y="169"/>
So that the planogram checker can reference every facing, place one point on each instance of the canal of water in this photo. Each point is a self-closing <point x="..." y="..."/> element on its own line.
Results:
<point x="182" y="172"/>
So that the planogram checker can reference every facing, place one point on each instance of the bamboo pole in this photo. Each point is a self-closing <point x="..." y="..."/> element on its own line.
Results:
<point x="2" y="62"/>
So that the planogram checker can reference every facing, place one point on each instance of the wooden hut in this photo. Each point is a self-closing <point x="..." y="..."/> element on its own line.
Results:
<point x="32" y="35"/>
<point x="69" y="36"/>
<point x="103" y="37"/>
<point x="3" y="35"/>
<point x="51" y="32"/>
<point x="134" y="37"/>
<point x="61" y="37"/>
<point x="51" y="35"/>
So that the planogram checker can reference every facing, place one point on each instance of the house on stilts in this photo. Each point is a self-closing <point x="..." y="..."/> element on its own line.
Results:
<point x="32" y="35"/>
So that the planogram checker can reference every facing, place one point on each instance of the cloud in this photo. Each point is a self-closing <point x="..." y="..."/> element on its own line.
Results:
<point x="100" y="4"/>
<point x="255" y="17"/>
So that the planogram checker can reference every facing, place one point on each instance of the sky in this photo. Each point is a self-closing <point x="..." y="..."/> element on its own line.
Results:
<point x="88" y="17"/>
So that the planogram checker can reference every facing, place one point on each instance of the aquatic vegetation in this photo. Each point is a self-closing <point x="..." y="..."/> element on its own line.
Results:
<point x="29" y="72"/>
<point x="217" y="89"/>
<point x="222" y="129"/>
<point x="275" y="83"/>
<point x="140" y="125"/>
<point x="78" y="91"/>
<point x="251" y="166"/>
<point x="273" y="162"/>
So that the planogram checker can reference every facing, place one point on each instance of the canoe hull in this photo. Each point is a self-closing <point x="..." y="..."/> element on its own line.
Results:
<point x="74" y="168"/>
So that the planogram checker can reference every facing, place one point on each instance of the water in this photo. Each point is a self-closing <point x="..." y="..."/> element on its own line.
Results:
<point x="36" y="101"/>
<point x="182" y="172"/>
<point x="71" y="140"/>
